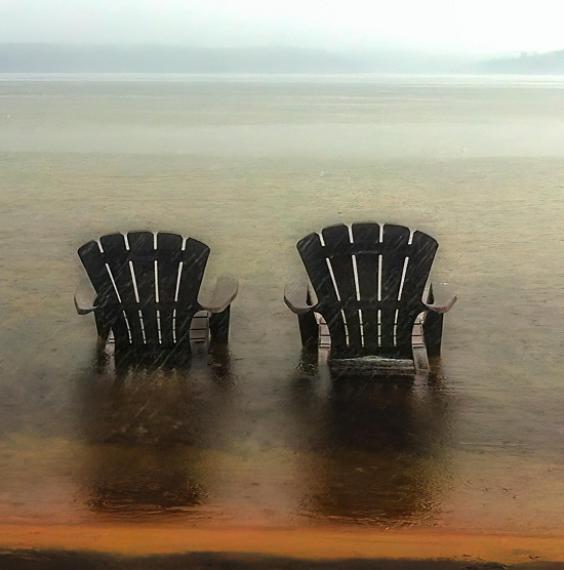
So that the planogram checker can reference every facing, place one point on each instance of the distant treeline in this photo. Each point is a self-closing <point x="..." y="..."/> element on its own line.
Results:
<point x="39" y="58"/>
<point x="58" y="58"/>
<point x="49" y="58"/>
<point x="541" y="63"/>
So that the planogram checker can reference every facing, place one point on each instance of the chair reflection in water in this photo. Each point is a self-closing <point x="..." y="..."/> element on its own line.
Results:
<point x="376" y="453"/>
<point x="147" y="427"/>
<point x="368" y="298"/>
<point x="145" y="296"/>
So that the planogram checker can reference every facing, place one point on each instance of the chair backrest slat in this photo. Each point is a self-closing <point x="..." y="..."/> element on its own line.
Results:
<point x="147" y="285"/>
<point x="127" y="326"/>
<point x="169" y="257"/>
<point x="337" y="239"/>
<point x="195" y="257"/>
<point x="366" y="236"/>
<point x="313" y="255"/>
<point x="142" y="266"/>
<point x="369" y="280"/>
<point x="193" y="262"/>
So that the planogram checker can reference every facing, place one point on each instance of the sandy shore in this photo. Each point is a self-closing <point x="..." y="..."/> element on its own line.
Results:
<point x="331" y="543"/>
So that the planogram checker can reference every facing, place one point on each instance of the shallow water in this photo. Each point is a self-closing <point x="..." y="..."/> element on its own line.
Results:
<point x="261" y="435"/>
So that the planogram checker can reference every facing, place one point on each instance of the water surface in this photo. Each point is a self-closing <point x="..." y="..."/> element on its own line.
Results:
<point x="261" y="435"/>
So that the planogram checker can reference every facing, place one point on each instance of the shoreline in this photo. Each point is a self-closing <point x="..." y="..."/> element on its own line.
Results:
<point x="328" y="543"/>
<point x="62" y="560"/>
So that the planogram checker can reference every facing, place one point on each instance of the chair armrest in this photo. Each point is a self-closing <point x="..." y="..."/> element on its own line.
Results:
<point x="439" y="307"/>
<point x="84" y="299"/>
<point x="442" y="308"/>
<point x="298" y="298"/>
<point x="225" y="291"/>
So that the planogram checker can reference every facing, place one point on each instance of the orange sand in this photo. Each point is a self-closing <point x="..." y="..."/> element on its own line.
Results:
<point x="315" y="543"/>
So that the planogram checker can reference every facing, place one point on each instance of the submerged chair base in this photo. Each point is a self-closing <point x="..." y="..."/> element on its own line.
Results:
<point x="199" y="333"/>
<point x="426" y="343"/>
<point x="201" y="340"/>
<point x="377" y="365"/>
<point x="372" y="366"/>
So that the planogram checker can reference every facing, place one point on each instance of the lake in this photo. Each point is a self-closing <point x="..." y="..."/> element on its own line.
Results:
<point x="261" y="437"/>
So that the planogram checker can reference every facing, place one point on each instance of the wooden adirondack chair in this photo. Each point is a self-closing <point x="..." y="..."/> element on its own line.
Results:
<point x="368" y="297"/>
<point x="146" y="289"/>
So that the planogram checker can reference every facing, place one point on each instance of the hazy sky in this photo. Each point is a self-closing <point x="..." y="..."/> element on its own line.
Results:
<point x="461" y="26"/>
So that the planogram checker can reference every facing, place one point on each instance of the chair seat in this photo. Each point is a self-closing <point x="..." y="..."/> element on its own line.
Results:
<point x="372" y="366"/>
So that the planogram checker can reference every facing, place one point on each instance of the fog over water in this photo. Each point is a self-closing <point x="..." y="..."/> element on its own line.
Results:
<point x="296" y="36"/>
<point x="436" y="26"/>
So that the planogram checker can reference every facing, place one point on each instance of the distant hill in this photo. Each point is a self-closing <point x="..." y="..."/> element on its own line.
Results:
<point x="541" y="63"/>
<point x="40" y="58"/>
<point x="164" y="59"/>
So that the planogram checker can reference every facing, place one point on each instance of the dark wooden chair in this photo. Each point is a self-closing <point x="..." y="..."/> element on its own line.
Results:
<point x="146" y="293"/>
<point x="368" y="297"/>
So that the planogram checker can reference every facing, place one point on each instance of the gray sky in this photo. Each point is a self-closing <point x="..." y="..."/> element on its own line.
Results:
<point x="456" y="26"/>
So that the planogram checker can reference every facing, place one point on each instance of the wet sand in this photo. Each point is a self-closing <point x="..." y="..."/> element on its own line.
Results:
<point x="327" y="544"/>
<point x="259" y="437"/>
<point x="69" y="561"/>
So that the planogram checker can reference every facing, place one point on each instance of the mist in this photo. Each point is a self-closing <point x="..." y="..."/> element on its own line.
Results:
<point x="55" y="58"/>
<point x="435" y="28"/>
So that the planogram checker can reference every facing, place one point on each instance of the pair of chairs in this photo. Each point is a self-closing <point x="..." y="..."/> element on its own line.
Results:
<point x="367" y="296"/>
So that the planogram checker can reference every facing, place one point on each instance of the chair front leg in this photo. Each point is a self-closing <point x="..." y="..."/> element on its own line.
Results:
<point x="433" y="333"/>
<point x="309" y="330"/>
<point x="219" y="326"/>
<point x="103" y="325"/>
